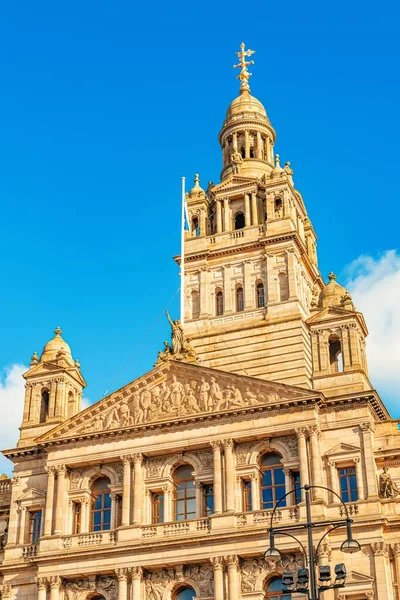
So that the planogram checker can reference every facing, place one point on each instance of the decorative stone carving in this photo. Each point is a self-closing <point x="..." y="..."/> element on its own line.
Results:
<point x="387" y="487"/>
<point x="206" y="459"/>
<point x="180" y="348"/>
<point x="243" y="450"/>
<point x="291" y="442"/>
<point x="75" y="588"/>
<point x="155" y="582"/>
<point x="154" y="466"/>
<point x="75" y="479"/>
<point x="251" y="569"/>
<point x="203" y="575"/>
<point x="108" y="584"/>
<point x="290" y="562"/>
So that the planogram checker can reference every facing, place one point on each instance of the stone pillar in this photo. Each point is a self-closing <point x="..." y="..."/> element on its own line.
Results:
<point x="219" y="216"/>
<point x="227" y="289"/>
<point x="249" y="296"/>
<point x="290" y="500"/>
<point x="247" y="220"/>
<point x="48" y="512"/>
<point x="255" y="492"/>
<point x="301" y="438"/>
<point x="229" y="476"/>
<point x="85" y="515"/>
<point x="113" y="519"/>
<point x="137" y="573"/>
<point x="22" y="525"/>
<point x="227" y="220"/>
<point x="28" y="401"/>
<point x="203" y="292"/>
<point x="168" y="516"/>
<point x="246" y="144"/>
<point x="55" y="584"/>
<point x="395" y="548"/>
<point x="41" y="583"/>
<point x="60" y="513"/>
<point x="216" y="447"/>
<point x="60" y="397"/>
<point x="254" y="209"/>
<point x="333" y="481"/>
<point x="359" y="477"/>
<point x="259" y="148"/>
<point x="369" y="461"/>
<point x="122" y="576"/>
<point x="232" y="564"/>
<point x="138" y="488"/>
<point x="52" y="399"/>
<point x="317" y="478"/>
<point x="383" y="579"/>
<point x="291" y="274"/>
<point x="126" y="490"/>
<point x="218" y="564"/>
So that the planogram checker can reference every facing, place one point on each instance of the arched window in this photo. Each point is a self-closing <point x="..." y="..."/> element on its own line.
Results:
<point x="195" y="304"/>
<point x="260" y="295"/>
<point x="101" y="509"/>
<point x="195" y="227"/>
<point x="243" y="152"/>
<point x="278" y="208"/>
<point x="239" y="220"/>
<point x="219" y="303"/>
<point x="184" y="593"/>
<point x="71" y="404"/>
<point x="185" y="493"/>
<point x="283" y="287"/>
<point x="335" y="355"/>
<point x="239" y="299"/>
<point x="274" y="590"/>
<point x="44" y="406"/>
<point x="251" y="152"/>
<point x="272" y="482"/>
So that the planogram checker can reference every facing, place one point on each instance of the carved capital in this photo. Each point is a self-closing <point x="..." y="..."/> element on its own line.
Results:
<point x="229" y="443"/>
<point x="395" y="548"/>
<point x="137" y="458"/>
<point x="379" y="548"/>
<point x="50" y="470"/>
<point x="232" y="560"/>
<point x="137" y="573"/>
<point x="126" y="459"/>
<point x="301" y="432"/>
<point x="5" y="590"/>
<point x="216" y="446"/>
<point x="366" y="427"/>
<point x="122" y="574"/>
<point x="41" y="583"/>
<point x="55" y="582"/>
<point x="217" y="562"/>
<point x="61" y="470"/>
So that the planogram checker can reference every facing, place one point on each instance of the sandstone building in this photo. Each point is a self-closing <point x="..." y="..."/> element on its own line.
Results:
<point x="164" y="489"/>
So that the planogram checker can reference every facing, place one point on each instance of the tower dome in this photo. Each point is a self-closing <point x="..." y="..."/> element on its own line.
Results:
<point x="247" y="136"/>
<point x="332" y="294"/>
<point x="57" y="349"/>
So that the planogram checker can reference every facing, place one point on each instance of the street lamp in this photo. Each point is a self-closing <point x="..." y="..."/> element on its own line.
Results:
<point x="306" y="577"/>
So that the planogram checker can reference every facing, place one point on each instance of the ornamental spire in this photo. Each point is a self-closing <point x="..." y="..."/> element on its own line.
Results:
<point x="244" y="74"/>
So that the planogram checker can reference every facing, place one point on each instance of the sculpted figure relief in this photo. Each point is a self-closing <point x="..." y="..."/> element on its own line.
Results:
<point x="181" y="347"/>
<point x="203" y="575"/>
<point x="387" y="487"/>
<point x="236" y="161"/>
<point x="155" y="582"/>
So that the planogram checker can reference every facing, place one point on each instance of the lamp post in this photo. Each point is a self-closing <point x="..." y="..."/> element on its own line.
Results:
<point x="350" y="545"/>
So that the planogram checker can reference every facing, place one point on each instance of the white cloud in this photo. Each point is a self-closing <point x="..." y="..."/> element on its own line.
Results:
<point x="12" y="394"/>
<point x="375" y="287"/>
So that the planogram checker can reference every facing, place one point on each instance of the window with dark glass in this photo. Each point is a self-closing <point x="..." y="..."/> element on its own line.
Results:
<point x="260" y="295"/>
<point x="296" y="487"/>
<point x="186" y="593"/>
<point x="239" y="299"/>
<point x="219" y="303"/>
<point x="157" y="507"/>
<point x="246" y="496"/>
<point x="335" y="355"/>
<point x="274" y="590"/>
<point x="76" y="516"/>
<point x="208" y="491"/>
<point x="185" y="493"/>
<point x="348" y="484"/>
<point x="272" y="481"/>
<point x="195" y="227"/>
<point x="35" y="525"/>
<point x="101" y="510"/>
<point x="44" y="406"/>
<point x="239" y="221"/>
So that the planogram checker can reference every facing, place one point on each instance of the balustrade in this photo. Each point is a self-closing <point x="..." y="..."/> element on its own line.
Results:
<point x="176" y="528"/>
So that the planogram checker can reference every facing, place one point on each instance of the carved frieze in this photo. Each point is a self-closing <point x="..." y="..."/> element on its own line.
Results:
<point x="203" y="575"/>
<point x="154" y="466"/>
<point x="290" y="441"/>
<point x="243" y="451"/>
<point x="156" y="581"/>
<point x="255" y="569"/>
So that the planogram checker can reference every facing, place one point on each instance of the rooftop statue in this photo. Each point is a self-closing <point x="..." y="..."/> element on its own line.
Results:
<point x="387" y="487"/>
<point x="180" y="348"/>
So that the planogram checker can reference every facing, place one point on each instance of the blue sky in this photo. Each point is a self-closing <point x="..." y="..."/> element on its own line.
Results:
<point x="105" y="105"/>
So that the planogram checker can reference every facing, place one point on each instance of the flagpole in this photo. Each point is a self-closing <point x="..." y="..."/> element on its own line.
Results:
<point x="182" y="310"/>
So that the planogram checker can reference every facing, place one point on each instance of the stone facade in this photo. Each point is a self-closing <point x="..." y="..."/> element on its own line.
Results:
<point x="96" y="508"/>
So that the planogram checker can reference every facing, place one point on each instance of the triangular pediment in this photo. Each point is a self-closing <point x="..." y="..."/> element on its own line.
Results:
<point x="233" y="182"/>
<point x="353" y="578"/>
<point x="334" y="313"/>
<point x="342" y="449"/>
<point x="45" y="369"/>
<point x="175" y="392"/>
<point x="31" y="494"/>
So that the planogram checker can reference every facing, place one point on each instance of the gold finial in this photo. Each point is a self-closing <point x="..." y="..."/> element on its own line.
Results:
<point x="332" y="276"/>
<point x="197" y="180"/>
<point x="58" y="331"/>
<point x="277" y="160"/>
<point x="34" y="359"/>
<point x="77" y="364"/>
<point x="244" y="75"/>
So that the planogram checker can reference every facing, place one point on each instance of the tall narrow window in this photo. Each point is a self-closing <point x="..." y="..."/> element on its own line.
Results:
<point x="195" y="304"/>
<point x="195" y="227"/>
<point x="157" y="507"/>
<point x="348" y="484"/>
<point x="35" y="525"/>
<point x="275" y="592"/>
<point x="239" y="299"/>
<point x="272" y="482"/>
<point x="101" y="511"/>
<point x="208" y="491"/>
<point x="278" y="208"/>
<point x="260" y="295"/>
<point x="185" y="493"/>
<point x="296" y="487"/>
<point x="239" y="220"/>
<point x="243" y="152"/>
<point x="71" y="404"/>
<point x="44" y="406"/>
<point x="219" y="303"/>
<point x="335" y="355"/>
<point x="246" y="496"/>
<point x="283" y="287"/>
<point x="76" y="517"/>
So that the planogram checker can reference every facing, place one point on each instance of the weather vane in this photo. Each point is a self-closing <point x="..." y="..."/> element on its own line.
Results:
<point x="244" y="75"/>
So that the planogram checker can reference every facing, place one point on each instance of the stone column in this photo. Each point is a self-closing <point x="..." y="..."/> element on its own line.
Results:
<point x="383" y="579"/>
<point x="28" y="401"/>
<point x="122" y="576"/>
<point x="126" y="490"/>
<point x="232" y="564"/>
<point x="249" y="295"/>
<point x="246" y="144"/>
<point x="22" y="525"/>
<point x="168" y="516"/>
<point x="137" y="573"/>
<point x="227" y="220"/>
<point x="85" y="515"/>
<point x="395" y="548"/>
<point x="301" y="438"/>
<point x="334" y="481"/>
<point x="317" y="478"/>
<point x="59" y="524"/>
<point x="60" y="396"/>
<point x="259" y="149"/>
<point x="229" y="476"/>
<point x="369" y="460"/>
<point x="52" y="399"/>
<point x="219" y="216"/>
<point x="290" y="500"/>
<point x="48" y="512"/>
<point x="218" y="564"/>
<point x="41" y="583"/>
<point x="254" y="210"/>
<point x="138" y="488"/>
<point x="255" y="492"/>
<point x="359" y="478"/>
<point x="247" y="220"/>
<point x="55" y="584"/>
<point x="216" y="447"/>
<point x="203" y="292"/>
<point x="227" y="289"/>
<point x="291" y="274"/>
<point x="113" y="521"/>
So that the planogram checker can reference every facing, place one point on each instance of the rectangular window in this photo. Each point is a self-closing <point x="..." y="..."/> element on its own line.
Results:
<point x="296" y="487"/>
<point x="157" y="508"/>
<point x="246" y="496"/>
<point x="208" y="491"/>
<point x="35" y="525"/>
<point x="348" y="484"/>
<point x="76" y="516"/>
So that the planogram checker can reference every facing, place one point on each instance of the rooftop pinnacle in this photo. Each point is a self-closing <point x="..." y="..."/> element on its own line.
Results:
<point x="244" y="74"/>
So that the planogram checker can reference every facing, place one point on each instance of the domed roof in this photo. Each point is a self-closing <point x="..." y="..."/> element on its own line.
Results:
<point x="245" y="106"/>
<point x="332" y="294"/>
<point x="196" y="190"/>
<point x="57" y="349"/>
